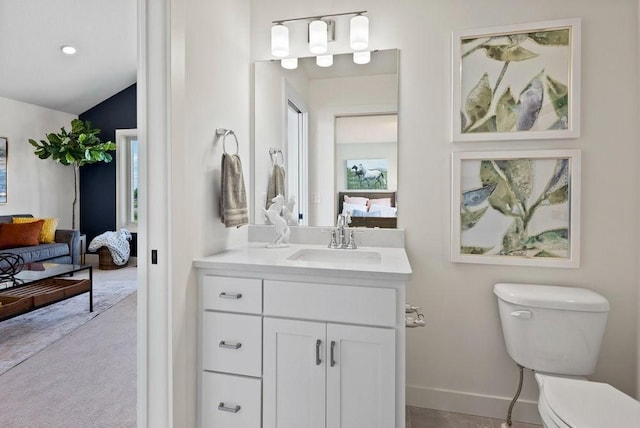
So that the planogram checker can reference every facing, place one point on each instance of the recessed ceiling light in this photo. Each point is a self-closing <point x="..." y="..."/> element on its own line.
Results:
<point x="69" y="50"/>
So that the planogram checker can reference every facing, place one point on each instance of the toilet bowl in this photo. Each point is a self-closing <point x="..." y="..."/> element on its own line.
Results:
<point x="566" y="402"/>
<point x="557" y="332"/>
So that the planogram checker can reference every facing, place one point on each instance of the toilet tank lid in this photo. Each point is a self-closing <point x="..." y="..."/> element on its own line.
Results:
<point x="552" y="297"/>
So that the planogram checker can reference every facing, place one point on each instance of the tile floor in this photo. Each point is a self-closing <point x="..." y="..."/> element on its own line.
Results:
<point x="418" y="417"/>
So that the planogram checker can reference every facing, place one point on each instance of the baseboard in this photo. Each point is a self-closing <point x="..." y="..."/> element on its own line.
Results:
<point x="472" y="404"/>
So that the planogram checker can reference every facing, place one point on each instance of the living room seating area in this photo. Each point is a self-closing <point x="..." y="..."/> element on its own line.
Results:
<point x="38" y="240"/>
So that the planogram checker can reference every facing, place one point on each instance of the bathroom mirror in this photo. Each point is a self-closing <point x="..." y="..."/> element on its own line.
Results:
<point x="333" y="130"/>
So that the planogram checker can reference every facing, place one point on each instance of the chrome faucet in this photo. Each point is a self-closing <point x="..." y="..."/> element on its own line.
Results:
<point x="342" y="236"/>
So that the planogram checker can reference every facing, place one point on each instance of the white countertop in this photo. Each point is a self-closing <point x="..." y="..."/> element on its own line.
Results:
<point x="255" y="256"/>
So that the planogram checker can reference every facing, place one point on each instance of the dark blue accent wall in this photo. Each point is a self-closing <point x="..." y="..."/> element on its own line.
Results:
<point x="98" y="181"/>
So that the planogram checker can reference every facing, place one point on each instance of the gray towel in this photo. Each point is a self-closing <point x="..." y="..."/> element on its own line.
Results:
<point x="276" y="184"/>
<point x="233" y="197"/>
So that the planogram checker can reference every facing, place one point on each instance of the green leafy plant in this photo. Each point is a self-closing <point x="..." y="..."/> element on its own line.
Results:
<point x="486" y="109"/>
<point x="507" y="186"/>
<point x="78" y="147"/>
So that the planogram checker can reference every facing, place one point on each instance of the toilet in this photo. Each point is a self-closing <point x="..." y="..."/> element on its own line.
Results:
<point x="557" y="332"/>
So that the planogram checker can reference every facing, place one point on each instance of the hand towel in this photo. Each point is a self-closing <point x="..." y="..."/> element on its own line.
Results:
<point x="233" y="197"/>
<point x="276" y="184"/>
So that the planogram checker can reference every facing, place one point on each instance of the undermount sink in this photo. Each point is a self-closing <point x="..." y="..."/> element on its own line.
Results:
<point x="338" y="256"/>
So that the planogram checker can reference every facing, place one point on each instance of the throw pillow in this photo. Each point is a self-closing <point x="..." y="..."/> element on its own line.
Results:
<point x="14" y="235"/>
<point x="48" y="233"/>
<point x="355" y="200"/>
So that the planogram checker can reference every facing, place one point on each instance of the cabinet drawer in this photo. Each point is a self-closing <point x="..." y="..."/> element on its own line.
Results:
<point x="230" y="401"/>
<point x="327" y="302"/>
<point x="232" y="343"/>
<point x="232" y="294"/>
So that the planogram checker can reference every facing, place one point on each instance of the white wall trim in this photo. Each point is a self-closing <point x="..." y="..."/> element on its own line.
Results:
<point x="155" y="358"/>
<point x="472" y="404"/>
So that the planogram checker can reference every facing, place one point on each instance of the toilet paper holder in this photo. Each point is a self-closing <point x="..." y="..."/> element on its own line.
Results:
<point x="414" y="321"/>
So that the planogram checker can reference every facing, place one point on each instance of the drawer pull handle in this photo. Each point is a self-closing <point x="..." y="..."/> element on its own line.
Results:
<point x="233" y="345"/>
<point x="333" y="347"/>
<point x="225" y="295"/>
<point x="318" y="360"/>
<point x="223" y="408"/>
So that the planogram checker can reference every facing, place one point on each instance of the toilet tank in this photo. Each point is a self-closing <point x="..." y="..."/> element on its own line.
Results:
<point x="552" y="329"/>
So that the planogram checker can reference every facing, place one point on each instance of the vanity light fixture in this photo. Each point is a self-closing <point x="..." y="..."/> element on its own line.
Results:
<point x="362" y="57"/>
<point x="324" y="60"/>
<point x="68" y="50"/>
<point x="321" y="31"/>
<point x="359" y="33"/>
<point x="318" y="37"/>
<point x="280" y="40"/>
<point x="289" y="63"/>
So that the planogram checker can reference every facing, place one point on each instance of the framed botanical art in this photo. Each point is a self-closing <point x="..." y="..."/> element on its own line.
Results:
<point x="3" y="170"/>
<point x="516" y="207"/>
<point x="516" y="82"/>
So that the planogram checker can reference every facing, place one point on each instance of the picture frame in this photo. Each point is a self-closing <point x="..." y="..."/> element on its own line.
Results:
<point x="516" y="82"/>
<point x="4" y="143"/>
<point x="516" y="207"/>
<point x="367" y="174"/>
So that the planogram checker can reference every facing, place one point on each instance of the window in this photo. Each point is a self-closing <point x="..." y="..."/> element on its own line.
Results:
<point x="127" y="179"/>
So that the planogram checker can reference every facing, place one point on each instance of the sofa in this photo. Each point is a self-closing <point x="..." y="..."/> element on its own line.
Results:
<point x="64" y="249"/>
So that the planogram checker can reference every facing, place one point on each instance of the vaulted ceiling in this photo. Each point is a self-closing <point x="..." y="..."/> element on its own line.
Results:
<point x="34" y="70"/>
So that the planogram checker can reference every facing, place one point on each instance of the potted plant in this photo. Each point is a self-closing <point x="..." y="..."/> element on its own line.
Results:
<point x="80" y="146"/>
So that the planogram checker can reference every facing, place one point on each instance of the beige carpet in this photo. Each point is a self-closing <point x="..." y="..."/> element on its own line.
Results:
<point x="25" y="335"/>
<point x="86" y="379"/>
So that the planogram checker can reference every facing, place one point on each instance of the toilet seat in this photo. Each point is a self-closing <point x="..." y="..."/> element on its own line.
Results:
<point x="580" y="403"/>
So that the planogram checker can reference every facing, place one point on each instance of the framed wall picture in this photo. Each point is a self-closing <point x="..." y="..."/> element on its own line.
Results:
<point x="3" y="170"/>
<point x="367" y="174"/>
<point x="516" y="207"/>
<point x="516" y="82"/>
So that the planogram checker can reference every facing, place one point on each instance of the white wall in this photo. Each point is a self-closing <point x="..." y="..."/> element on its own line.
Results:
<point x="459" y="362"/>
<point x="35" y="186"/>
<point x="210" y="75"/>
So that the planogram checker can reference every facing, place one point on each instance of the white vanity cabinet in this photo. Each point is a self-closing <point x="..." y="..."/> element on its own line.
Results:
<point x="321" y="375"/>
<point x="230" y="352"/>
<point x="283" y="347"/>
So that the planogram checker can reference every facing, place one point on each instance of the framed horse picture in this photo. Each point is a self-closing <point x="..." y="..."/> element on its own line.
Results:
<point x="367" y="174"/>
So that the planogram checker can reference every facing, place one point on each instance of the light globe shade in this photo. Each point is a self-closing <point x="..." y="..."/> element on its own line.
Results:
<point x="289" y="63"/>
<point x="324" y="60"/>
<point x="362" y="57"/>
<point x="318" y="37"/>
<point x="359" y="33"/>
<point x="279" y="41"/>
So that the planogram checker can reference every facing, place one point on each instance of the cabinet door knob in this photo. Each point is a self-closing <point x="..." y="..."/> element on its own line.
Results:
<point x="333" y="347"/>
<point x="222" y="407"/>
<point x="233" y="345"/>
<point x="225" y="295"/>
<point x="318" y="360"/>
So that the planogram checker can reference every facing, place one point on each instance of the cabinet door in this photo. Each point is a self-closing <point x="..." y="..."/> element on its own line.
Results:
<point x="360" y="377"/>
<point x="293" y="374"/>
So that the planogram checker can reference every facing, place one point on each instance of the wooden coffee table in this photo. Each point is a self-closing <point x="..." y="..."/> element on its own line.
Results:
<point x="42" y="284"/>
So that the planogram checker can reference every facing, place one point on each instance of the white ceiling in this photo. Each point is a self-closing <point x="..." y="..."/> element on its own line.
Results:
<point x="34" y="70"/>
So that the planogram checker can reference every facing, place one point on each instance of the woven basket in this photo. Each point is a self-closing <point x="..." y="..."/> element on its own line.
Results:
<point x="105" y="261"/>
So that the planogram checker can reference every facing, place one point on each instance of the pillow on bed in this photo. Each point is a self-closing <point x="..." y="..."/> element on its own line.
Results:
<point x="384" y="210"/>
<point x="356" y="200"/>
<point x="358" y="213"/>
<point x="385" y="202"/>
<point x="353" y="207"/>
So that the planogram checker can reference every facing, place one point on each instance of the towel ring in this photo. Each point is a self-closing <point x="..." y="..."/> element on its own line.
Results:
<point x="224" y="139"/>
